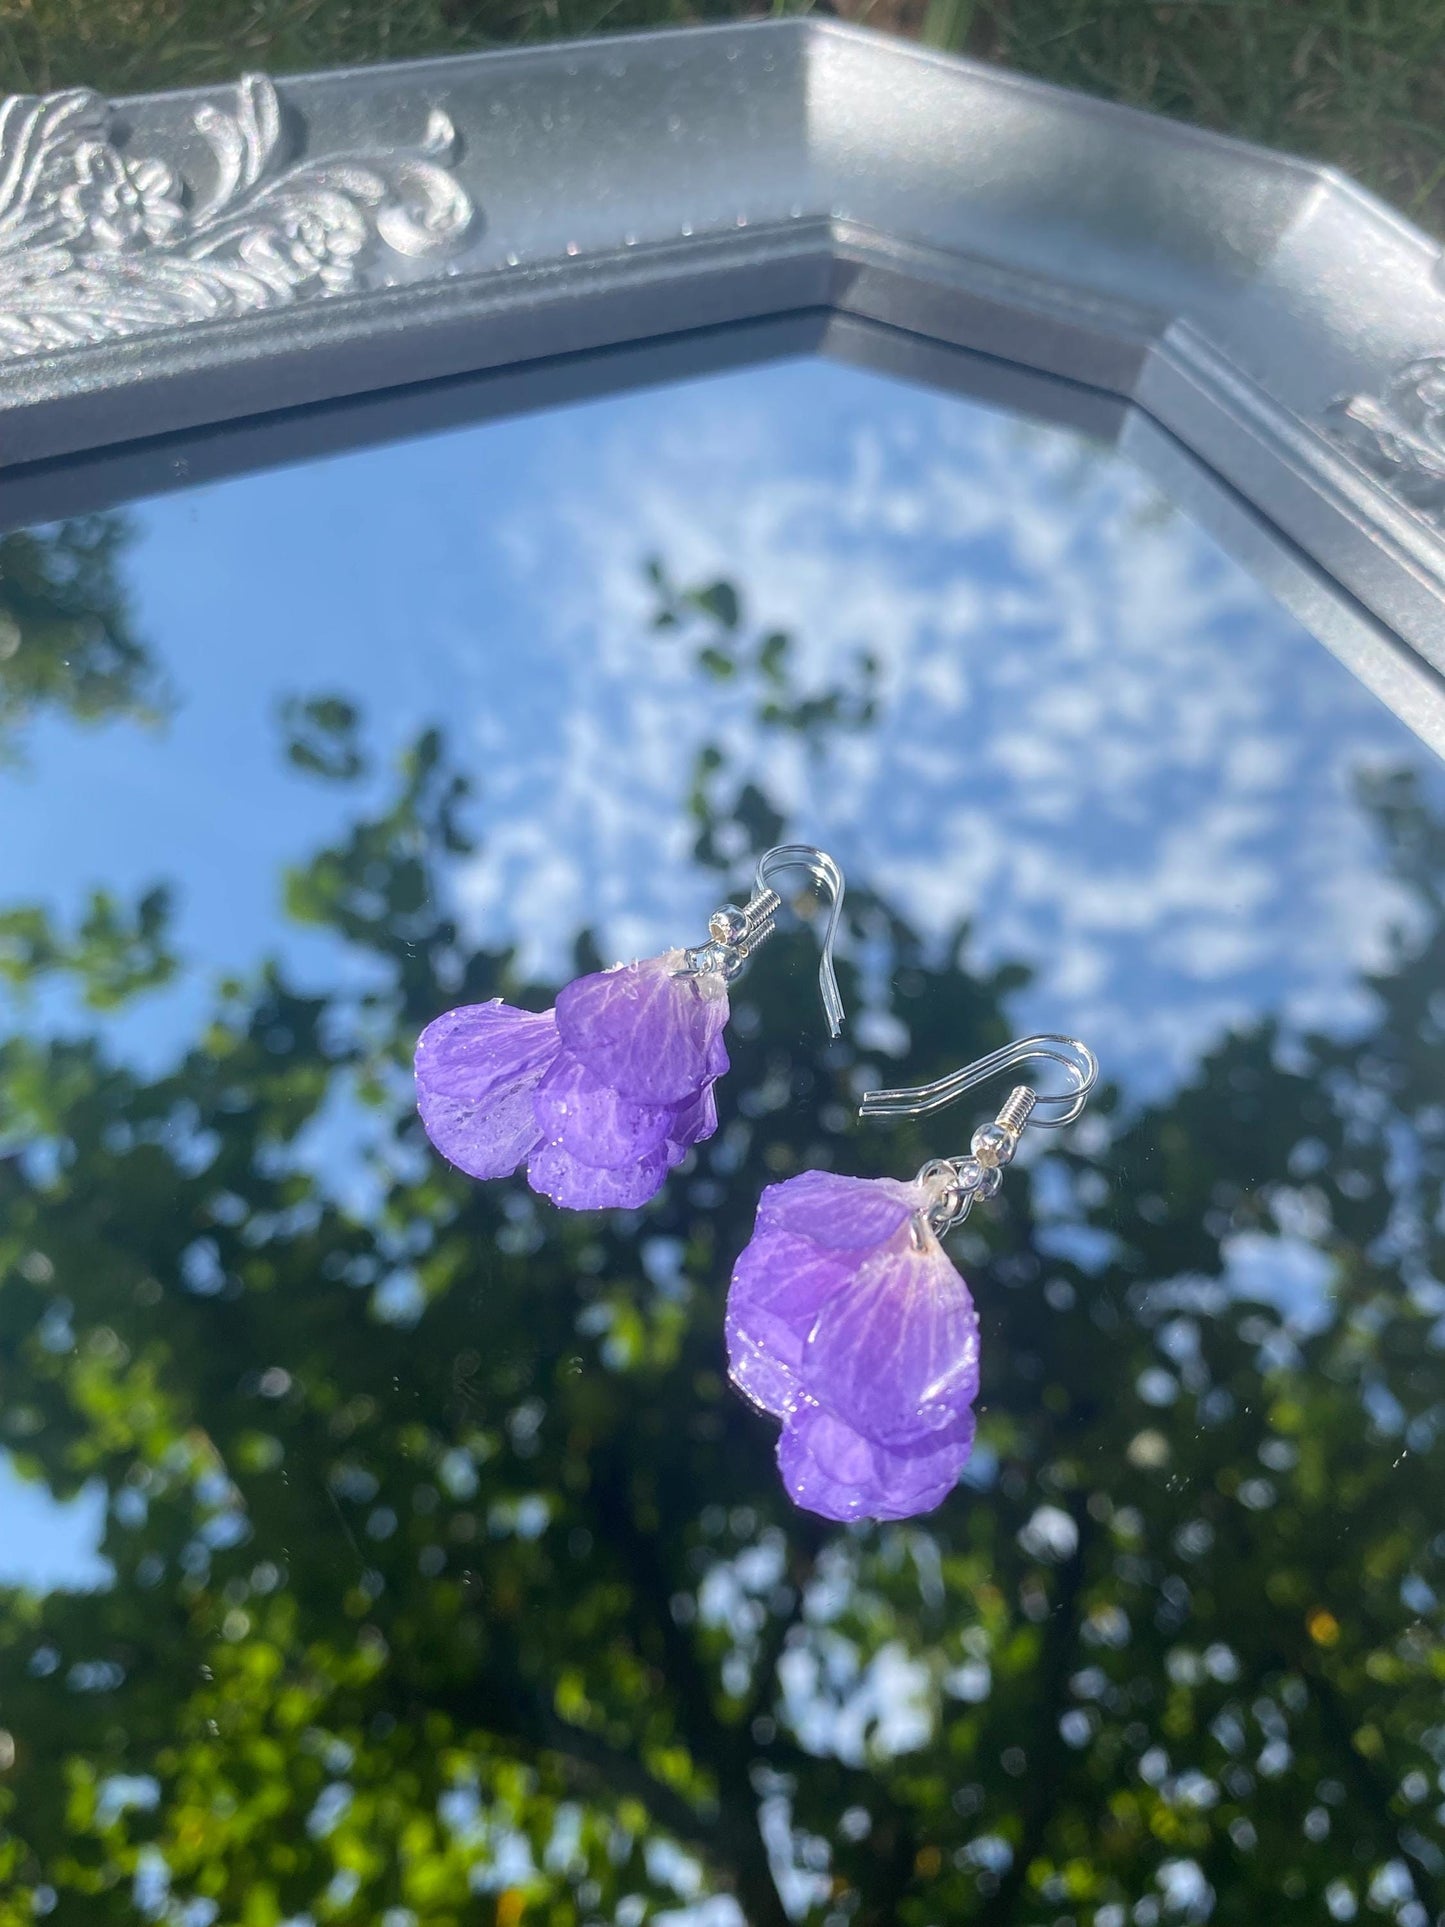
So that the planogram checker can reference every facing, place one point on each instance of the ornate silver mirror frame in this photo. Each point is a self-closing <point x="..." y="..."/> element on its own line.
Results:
<point x="196" y="282"/>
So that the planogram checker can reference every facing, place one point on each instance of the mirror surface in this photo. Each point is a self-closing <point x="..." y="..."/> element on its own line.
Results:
<point x="380" y="1545"/>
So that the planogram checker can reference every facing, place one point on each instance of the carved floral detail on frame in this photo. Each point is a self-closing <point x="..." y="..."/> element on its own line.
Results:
<point x="1400" y="434"/>
<point x="97" y="243"/>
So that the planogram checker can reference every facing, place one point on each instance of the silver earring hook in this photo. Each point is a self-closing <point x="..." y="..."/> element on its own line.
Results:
<point x="826" y="874"/>
<point x="954" y="1185"/>
<point x="734" y="932"/>
<point x="1080" y="1065"/>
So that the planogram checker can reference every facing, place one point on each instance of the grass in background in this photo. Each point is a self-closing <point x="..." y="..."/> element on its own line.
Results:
<point x="1360" y="83"/>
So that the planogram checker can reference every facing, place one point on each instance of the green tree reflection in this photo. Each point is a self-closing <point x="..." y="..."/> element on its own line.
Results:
<point x="451" y="1578"/>
<point x="66" y="638"/>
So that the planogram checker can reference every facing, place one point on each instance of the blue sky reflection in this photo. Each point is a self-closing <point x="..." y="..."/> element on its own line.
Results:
<point x="1099" y="739"/>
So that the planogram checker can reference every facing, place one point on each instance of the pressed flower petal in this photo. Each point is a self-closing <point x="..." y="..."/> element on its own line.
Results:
<point x="829" y="1468"/>
<point x="690" y="1124"/>
<point x="471" y="1053"/>
<point x="594" y="1187"/>
<point x="645" y="1030"/>
<point x="843" y="1213"/>
<point x="896" y="1357"/>
<point x="779" y="1287"/>
<point x="591" y="1123"/>
<point x="826" y="1467"/>
<point x="476" y="1070"/>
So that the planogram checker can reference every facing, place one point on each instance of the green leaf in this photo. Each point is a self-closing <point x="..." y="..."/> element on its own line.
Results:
<point x="773" y="655"/>
<point x="716" y="664"/>
<point x="720" y="601"/>
<point x="322" y="737"/>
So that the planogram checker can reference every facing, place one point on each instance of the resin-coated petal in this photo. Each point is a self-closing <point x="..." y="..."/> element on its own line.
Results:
<point x="470" y="1053"/>
<point x="591" y="1122"/>
<point x="645" y="1030"/>
<point x="830" y="1469"/>
<point x="476" y="1070"/>
<point x="718" y="1063"/>
<point x="594" y="1187"/>
<point x="689" y="1124"/>
<point x="780" y="1286"/>
<point x="845" y="1214"/>
<point x="897" y="1356"/>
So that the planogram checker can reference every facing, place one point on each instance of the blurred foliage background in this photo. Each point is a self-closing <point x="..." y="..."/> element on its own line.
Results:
<point x="1360" y="83"/>
<point x="453" y="1585"/>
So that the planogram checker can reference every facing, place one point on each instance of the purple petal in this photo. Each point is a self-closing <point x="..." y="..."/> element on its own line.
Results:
<point x="476" y="1070"/>
<point x="646" y="1031"/>
<point x="845" y="1214"/>
<point x="590" y="1122"/>
<point x="896" y="1357"/>
<point x="831" y="1469"/>
<point x="690" y="1124"/>
<point x="593" y="1187"/>
<point x="779" y="1288"/>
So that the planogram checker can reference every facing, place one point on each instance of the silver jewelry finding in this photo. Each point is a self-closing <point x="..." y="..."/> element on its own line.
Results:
<point x="736" y="932"/>
<point x="954" y="1184"/>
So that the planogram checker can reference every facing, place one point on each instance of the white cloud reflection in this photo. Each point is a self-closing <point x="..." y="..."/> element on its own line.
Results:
<point x="1100" y="741"/>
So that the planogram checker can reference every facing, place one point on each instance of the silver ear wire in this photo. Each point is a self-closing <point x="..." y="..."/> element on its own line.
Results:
<point x="955" y="1183"/>
<point x="1080" y="1065"/>
<point x="826" y="874"/>
<point x="736" y="932"/>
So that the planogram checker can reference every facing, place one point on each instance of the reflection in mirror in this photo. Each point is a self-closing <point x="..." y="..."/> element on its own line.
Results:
<point x="380" y="1546"/>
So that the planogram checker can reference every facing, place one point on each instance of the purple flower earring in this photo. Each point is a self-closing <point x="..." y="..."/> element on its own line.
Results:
<point x="847" y="1320"/>
<point x="601" y="1096"/>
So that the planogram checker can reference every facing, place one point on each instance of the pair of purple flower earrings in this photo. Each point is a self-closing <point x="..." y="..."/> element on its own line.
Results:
<point x="845" y="1317"/>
